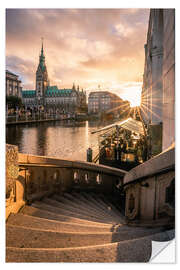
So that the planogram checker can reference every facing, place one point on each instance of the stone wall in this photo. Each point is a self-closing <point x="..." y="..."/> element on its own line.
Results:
<point x="12" y="169"/>
<point x="158" y="92"/>
<point x="150" y="188"/>
<point x="155" y="137"/>
<point x="152" y="92"/>
<point x="150" y="198"/>
<point x="169" y="78"/>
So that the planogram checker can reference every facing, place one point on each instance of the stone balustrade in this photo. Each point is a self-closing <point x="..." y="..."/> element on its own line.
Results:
<point x="11" y="169"/>
<point x="13" y="204"/>
<point x="40" y="175"/>
<point x="150" y="188"/>
<point x="30" y="177"/>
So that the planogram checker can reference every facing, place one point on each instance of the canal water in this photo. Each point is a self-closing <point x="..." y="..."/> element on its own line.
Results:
<point x="64" y="140"/>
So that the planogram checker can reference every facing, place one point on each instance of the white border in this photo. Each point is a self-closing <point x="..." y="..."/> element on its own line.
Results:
<point x="76" y="4"/>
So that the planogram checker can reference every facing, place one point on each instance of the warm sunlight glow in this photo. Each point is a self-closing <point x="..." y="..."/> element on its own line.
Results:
<point x="134" y="102"/>
<point x="106" y="52"/>
<point x="133" y="95"/>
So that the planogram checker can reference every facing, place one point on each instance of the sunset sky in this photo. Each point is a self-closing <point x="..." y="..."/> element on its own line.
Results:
<point x="90" y="47"/>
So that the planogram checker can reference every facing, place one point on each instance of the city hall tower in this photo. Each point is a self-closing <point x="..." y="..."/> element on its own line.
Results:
<point x="41" y="79"/>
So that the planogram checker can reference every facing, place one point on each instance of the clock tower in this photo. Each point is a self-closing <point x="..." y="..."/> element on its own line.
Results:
<point x="41" y="79"/>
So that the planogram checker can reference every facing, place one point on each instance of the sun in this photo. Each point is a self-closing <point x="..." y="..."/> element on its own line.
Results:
<point x="132" y="93"/>
<point x="135" y="101"/>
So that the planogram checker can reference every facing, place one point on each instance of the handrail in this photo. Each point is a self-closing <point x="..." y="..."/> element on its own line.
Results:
<point x="44" y="160"/>
<point x="97" y="170"/>
<point x="165" y="170"/>
<point x="163" y="162"/>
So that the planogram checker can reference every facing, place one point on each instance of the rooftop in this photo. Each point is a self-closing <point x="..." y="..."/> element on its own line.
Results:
<point x="28" y="93"/>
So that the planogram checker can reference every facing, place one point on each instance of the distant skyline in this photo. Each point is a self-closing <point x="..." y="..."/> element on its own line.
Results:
<point x="90" y="47"/>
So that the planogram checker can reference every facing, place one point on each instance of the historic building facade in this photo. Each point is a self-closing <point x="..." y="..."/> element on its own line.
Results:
<point x="47" y="97"/>
<point x="42" y="81"/>
<point x="13" y="84"/>
<point x="106" y="102"/>
<point x="158" y="92"/>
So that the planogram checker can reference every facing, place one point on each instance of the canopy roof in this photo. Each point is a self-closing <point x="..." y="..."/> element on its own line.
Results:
<point x="129" y="124"/>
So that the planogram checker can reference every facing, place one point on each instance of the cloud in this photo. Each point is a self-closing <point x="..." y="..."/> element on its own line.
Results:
<point x="123" y="31"/>
<point x="81" y="45"/>
<point x="23" y="68"/>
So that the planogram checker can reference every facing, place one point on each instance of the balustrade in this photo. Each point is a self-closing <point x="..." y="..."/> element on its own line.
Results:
<point x="147" y="191"/>
<point x="150" y="188"/>
<point x="54" y="175"/>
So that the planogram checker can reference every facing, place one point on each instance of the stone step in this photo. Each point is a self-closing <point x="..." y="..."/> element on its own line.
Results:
<point x="77" y="197"/>
<point x="136" y="250"/>
<point x="37" y="212"/>
<point x="18" y="236"/>
<point x="106" y="206"/>
<point x="105" y="200"/>
<point x="69" y="213"/>
<point x="76" y="209"/>
<point x="81" y="205"/>
<point x="27" y="221"/>
<point x="52" y="225"/>
<point x="95" y="204"/>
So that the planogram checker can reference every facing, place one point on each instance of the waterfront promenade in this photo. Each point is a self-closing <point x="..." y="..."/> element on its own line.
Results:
<point x="17" y="121"/>
<point x="36" y="118"/>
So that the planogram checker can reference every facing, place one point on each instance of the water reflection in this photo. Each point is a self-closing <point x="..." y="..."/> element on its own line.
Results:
<point x="66" y="140"/>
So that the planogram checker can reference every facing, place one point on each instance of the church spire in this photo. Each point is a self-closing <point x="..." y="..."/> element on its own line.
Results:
<point x="42" y="49"/>
<point x="42" y="58"/>
<point x="41" y="74"/>
<point x="74" y="87"/>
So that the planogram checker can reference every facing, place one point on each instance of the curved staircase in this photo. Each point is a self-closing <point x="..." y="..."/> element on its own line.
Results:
<point x="77" y="227"/>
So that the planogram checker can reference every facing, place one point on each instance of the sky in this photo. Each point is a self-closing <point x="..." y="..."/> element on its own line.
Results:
<point x="97" y="49"/>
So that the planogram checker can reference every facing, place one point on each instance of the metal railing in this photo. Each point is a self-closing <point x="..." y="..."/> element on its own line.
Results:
<point x="35" y="118"/>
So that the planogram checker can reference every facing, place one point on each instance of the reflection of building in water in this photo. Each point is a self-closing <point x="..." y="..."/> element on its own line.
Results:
<point x="49" y="96"/>
<point x="14" y="135"/>
<point x="42" y="131"/>
<point x="158" y="93"/>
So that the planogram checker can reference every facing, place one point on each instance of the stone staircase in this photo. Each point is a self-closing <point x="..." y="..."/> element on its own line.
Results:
<point x="77" y="227"/>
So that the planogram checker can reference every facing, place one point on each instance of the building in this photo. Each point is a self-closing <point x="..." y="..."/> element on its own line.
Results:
<point x="106" y="102"/>
<point x="42" y="81"/>
<point x="48" y="97"/>
<point x="158" y="92"/>
<point x="13" y="84"/>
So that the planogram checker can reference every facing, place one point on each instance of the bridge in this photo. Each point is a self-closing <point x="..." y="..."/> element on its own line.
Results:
<point x="74" y="211"/>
